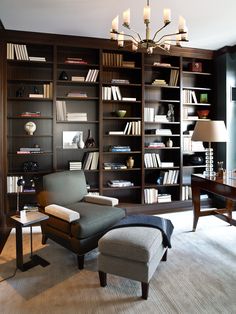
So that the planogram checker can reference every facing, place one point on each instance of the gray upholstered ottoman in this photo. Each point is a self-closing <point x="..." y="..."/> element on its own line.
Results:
<point x="131" y="252"/>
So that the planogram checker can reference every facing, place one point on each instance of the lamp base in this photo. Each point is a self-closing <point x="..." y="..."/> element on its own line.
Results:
<point x="209" y="172"/>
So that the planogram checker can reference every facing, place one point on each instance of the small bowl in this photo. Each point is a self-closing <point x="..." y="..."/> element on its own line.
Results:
<point x="203" y="114"/>
<point x="121" y="113"/>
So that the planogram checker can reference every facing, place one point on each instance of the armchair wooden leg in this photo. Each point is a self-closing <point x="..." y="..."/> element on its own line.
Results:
<point x="80" y="259"/>
<point x="44" y="239"/>
<point x="145" y="289"/>
<point x="103" y="278"/>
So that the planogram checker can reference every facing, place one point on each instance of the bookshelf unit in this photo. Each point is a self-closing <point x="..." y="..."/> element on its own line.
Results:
<point x="197" y="95"/>
<point x="29" y="99"/>
<point x="132" y="75"/>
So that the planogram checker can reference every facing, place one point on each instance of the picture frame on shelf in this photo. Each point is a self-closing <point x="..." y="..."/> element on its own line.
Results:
<point x="71" y="139"/>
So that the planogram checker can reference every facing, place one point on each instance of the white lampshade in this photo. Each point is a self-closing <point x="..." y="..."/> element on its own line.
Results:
<point x="210" y="131"/>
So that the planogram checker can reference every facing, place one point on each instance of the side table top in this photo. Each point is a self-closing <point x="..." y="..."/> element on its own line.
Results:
<point x="30" y="218"/>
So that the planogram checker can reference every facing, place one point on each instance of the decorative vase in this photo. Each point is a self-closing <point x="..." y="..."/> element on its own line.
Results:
<point x="169" y="143"/>
<point x="130" y="162"/>
<point x="90" y="142"/>
<point x="80" y="142"/>
<point x="63" y="76"/>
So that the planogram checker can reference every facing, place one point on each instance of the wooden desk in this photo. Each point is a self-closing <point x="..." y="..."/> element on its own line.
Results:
<point x="30" y="219"/>
<point x="225" y="187"/>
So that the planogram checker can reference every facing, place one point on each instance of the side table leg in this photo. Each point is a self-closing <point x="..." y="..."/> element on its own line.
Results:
<point x="19" y="248"/>
<point x="196" y="205"/>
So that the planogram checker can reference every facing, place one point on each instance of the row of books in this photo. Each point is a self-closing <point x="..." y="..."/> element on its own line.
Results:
<point x="151" y="196"/>
<point x="21" y="53"/>
<point x="119" y="183"/>
<point x="78" y="94"/>
<point x="174" y="76"/>
<point x="150" y="116"/>
<point x="29" y="150"/>
<point x="12" y="186"/>
<point x="33" y="114"/>
<point x="109" y="93"/>
<point x="61" y="110"/>
<point x="119" y="148"/>
<point x="168" y="177"/>
<point x="92" y="75"/>
<point x="131" y="128"/>
<point x="112" y="59"/>
<point x="158" y="131"/>
<point x="186" y="192"/>
<point x="192" y="146"/>
<point x="189" y="97"/>
<point x="91" y="161"/>
<point x="155" y="145"/>
<point x="75" y="60"/>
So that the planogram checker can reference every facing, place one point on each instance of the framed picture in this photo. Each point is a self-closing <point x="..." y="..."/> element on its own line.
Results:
<point x="71" y="139"/>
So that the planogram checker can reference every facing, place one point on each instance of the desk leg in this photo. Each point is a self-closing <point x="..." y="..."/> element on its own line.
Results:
<point x="229" y="207"/>
<point x="196" y="205"/>
<point x="19" y="248"/>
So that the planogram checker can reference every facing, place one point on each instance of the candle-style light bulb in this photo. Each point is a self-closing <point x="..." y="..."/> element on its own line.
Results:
<point x="182" y="24"/>
<point x="115" y="23"/>
<point x="126" y="17"/>
<point x="167" y="16"/>
<point x="121" y="39"/>
<point x="146" y="13"/>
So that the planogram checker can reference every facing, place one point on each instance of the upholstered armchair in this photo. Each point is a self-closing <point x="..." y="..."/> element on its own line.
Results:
<point x="76" y="220"/>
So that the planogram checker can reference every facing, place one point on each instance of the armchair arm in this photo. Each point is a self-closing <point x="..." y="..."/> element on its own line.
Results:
<point x="101" y="200"/>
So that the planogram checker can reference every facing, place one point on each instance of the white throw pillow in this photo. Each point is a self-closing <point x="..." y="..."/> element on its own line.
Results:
<point x="62" y="212"/>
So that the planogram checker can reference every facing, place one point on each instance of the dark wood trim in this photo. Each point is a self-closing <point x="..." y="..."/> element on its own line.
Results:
<point x="225" y="49"/>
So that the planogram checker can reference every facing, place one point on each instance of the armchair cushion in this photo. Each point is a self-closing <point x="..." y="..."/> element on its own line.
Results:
<point x="94" y="218"/>
<point x="62" y="212"/>
<point x="102" y="200"/>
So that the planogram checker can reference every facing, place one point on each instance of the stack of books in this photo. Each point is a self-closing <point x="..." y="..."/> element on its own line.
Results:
<point x="75" y="61"/>
<point x="114" y="165"/>
<point x="77" y="94"/>
<point x="119" y="81"/>
<point x="75" y="165"/>
<point x="163" y="198"/>
<point x="158" y="131"/>
<point x="161" y="64"/>
<point x="76" y="116"/>
<point x="77" y="78"/>
<point x="29" y="150"/>
<point x="128" y="64"/>
<point x="119" y="148"/>
<point x="38" y="59"/>
<point x="159" y="82"/>
<point x="119" y="183"/>
<point x="33" y="114"/>
<point x="155" y="145"/>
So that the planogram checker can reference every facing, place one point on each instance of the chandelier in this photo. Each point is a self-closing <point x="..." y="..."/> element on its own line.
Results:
<point x="164" y="42"/>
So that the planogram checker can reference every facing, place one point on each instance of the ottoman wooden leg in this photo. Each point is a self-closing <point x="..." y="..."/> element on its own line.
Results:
<point x="145" y="289"/>
<point x="164" y="257"/>
<point x="103" y="278"/>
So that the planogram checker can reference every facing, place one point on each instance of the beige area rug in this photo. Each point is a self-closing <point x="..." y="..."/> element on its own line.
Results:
<point x="198" y="277"/>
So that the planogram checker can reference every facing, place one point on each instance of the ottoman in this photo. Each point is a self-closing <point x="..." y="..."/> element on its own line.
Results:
<point x="131" y="252"/>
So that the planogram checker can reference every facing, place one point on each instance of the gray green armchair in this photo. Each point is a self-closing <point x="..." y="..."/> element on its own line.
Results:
<point x="97" y="213"/>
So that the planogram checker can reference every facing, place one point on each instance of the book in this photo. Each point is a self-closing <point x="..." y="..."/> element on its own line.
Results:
<point x="36" y="95"/>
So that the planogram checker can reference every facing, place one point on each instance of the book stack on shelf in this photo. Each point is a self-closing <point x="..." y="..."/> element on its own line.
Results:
<point x="91" y="161"/>
<point x="77" y="78"/>
<point x="158" y="131"/>
<point x="47" y="90"/>
<point x="119" y="183"/>
<point x="31" y="207"/>
<point x="155" y="145"/>
<point x="20" y="52"/>
<point x="161" y="64"/>
<point x="29" y="150"/>
<point x="192" y="146"/>
<point x="174" y="76"/>
<point x="26" y="114"/>
<point x="160" y="118"/>
<point x="37" y="59"/>
<point x="168" y="177"/>
<point x="128" y="64"/>
<point x="114" y="166"/>
<point x="76" y="116"/>
<point x="92" y="75"/>
<point x="119" y="81"/>
<point x="77" y="94"/>
<point x="12" y="186"/>
<point x="36" y="95"/>
<point x="119" y="148"/>
<point x="75" y="60"/>
<point x="150" y="196"/>
<point x="159" y="82"/>
<point x="75" y="165"/>
<point x="163" y="198"/>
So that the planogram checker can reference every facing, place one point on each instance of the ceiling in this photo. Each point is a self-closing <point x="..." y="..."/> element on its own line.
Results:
<point x="211" y="23"/>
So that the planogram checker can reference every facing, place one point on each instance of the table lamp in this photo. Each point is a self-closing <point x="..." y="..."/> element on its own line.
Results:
<point x="20" y="184"/>
<point x="209" y="131"/>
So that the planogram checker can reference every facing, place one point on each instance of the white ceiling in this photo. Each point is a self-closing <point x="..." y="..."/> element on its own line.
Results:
<point x="211" y="23"/>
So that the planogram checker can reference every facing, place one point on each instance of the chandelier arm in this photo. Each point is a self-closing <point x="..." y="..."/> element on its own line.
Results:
<point x="168" y="35"/>
<point x="129" y="28"/>
<point x="129" y="35"/>
<point x="162" y="48"/>
<point x="158" y="31"/>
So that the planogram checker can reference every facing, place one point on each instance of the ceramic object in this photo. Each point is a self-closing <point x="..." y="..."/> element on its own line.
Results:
<point x="130" y="162"/>
<point x="90" y="142"/>
<point x="121" y="113"/>
<point x="169" y="143"/>
<point x="30" y="128"/>
<point x="80" y="142"/>
<point x="203" y="114"/>
<point x="63" y="76"/>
